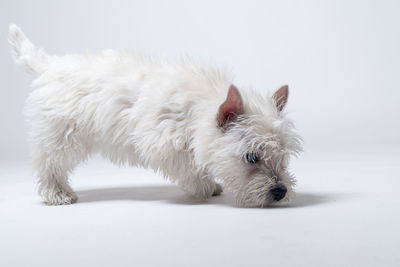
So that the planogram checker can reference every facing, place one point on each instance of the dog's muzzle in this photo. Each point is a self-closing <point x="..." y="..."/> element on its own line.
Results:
<point x="277" y="192"/>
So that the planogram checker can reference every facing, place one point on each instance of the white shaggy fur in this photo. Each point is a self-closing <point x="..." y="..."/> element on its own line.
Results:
<point x="152" y="114"/>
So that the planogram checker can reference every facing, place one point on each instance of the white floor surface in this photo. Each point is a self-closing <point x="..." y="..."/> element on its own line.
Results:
<point x="346" y="213"/>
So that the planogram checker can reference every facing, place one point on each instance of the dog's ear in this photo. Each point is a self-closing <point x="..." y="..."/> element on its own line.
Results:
<point x="281" y="97"/>
<point x="231" y="108"/>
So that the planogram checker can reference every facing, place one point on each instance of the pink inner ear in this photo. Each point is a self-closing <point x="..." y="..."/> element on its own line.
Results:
<point x="231" y="108"/>
<point x="281" y="97"/>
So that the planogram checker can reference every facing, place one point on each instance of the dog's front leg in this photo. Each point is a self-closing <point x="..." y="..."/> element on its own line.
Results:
<point x="200" y="186"/>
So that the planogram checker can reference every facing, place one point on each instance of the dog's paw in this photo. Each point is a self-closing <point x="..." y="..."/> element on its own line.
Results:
<point x="60" y="198"/>
<point x="218" y="190"/>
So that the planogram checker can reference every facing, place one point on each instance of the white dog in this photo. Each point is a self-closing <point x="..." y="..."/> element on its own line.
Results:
<point x="190" y="123"/>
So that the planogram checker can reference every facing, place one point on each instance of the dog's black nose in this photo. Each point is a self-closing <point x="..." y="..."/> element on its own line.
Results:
<point x="278" y="192"/>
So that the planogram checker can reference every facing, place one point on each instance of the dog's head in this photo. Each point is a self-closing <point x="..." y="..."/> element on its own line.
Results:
<point x="251" y="155"/>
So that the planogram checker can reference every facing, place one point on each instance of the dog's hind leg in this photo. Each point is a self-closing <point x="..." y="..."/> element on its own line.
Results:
<point x="55" y="153"/>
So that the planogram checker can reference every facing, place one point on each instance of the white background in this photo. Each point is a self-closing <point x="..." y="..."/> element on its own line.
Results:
<point x="341" y="61"/>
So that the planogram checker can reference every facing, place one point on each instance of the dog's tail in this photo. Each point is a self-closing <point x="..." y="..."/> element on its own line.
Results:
<point x="26" y="55"/>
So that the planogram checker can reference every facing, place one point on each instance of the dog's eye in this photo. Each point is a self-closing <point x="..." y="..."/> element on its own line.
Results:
<point x="252" y="157"/>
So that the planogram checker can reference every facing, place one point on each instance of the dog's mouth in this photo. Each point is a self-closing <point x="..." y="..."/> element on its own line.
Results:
<point x="274" y="195"/>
